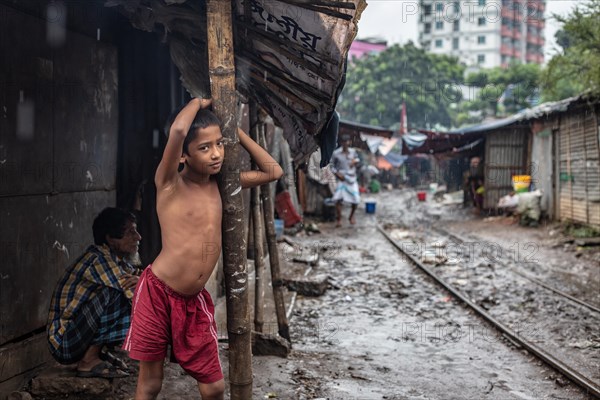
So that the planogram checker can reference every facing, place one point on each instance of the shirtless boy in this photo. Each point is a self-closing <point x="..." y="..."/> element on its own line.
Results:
<point x="170" y="304"/>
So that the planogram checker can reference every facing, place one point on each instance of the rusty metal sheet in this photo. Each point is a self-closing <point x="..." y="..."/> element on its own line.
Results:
<point x="86" y="123"/>
<point x="579" y="176"/>
<point x="41" y="235"/>
<point x="505" y="156"/>
<point x="25" y="106"/>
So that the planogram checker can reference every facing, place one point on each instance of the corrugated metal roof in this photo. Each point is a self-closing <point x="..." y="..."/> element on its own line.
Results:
<point x="525" y="115"/>
<point x="365" y="127"/>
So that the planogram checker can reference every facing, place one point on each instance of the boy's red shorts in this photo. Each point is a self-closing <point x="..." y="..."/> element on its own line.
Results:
<point x="161" y="316"/>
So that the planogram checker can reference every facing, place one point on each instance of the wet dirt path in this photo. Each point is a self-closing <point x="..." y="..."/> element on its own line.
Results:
<point x="388" y="332"/>
<point x="385" y="331"/>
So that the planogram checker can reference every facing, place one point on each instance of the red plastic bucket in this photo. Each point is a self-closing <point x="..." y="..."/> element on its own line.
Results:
<point x="422" y="196"/>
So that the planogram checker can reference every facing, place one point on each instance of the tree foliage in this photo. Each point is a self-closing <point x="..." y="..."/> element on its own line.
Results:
<point x="377" y="85"/>
<point x="577" y="66"/>
<point x="500" y="91"/>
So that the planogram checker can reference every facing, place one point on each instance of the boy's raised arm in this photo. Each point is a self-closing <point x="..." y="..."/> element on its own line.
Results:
<point x="166" y="173"/>
<point x="269" y="169"/>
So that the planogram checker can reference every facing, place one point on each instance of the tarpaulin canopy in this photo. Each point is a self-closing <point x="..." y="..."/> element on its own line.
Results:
<point x="290" y="55"/>
<point x="430" y="142"/>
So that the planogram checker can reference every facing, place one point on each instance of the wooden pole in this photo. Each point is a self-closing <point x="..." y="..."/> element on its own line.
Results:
<point x="257" y="222"/>
<point x="222" y="77"/>
<point x="277" y="283"/>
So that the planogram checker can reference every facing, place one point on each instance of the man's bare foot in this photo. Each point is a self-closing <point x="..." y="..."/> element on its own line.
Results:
<point x="338" y="223"/>
<point x="352" y="221"/>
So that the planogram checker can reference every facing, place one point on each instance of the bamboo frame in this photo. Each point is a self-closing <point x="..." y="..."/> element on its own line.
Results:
<point x="222" y="77"/>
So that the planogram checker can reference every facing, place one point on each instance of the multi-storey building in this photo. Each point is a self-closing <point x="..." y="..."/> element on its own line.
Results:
<point x="484" y="33"/>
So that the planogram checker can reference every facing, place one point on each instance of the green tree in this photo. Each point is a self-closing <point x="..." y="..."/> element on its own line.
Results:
<point x="577" y="66"/>
<point x="503" y="91"/>
<point x="377" y="85"/>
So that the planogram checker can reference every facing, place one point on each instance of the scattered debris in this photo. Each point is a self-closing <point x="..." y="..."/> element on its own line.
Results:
<point x="62" y="382"/>
<point x="310" y="286"/>
<point x="264" y="344"/>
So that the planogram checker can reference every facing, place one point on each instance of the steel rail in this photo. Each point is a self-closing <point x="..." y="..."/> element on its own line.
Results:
<point x="457" y="239"/>
<point x="585" y="383"/>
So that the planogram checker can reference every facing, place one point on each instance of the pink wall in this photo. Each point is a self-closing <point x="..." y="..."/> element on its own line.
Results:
<point x="359" y="48"/>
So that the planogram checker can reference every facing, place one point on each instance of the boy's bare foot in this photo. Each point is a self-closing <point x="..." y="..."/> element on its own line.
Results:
<point x="352" y="221"/>
<point x="338" y="223"/>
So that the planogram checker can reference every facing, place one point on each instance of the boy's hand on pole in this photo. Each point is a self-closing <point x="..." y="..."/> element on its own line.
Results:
<point x="205" y="103"/>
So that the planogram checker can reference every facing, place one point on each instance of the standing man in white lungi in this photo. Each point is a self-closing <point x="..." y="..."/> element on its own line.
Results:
<point x="343" y="164"/>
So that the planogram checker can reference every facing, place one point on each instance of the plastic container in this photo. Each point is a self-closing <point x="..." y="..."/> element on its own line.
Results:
<point x="422" y="196"/>
<point x="370" y="206"/>
<point x="329" y="210"/>
<point x="279" y="224"/>
<point x="521" y="183"/>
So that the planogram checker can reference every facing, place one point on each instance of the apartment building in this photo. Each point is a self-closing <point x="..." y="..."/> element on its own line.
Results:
<point x="484" y="33"/>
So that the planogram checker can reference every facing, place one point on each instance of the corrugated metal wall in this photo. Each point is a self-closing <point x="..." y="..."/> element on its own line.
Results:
<point x="54" y="178"/>
<point x="579" y="171"/>
<point x="506" y="154"/>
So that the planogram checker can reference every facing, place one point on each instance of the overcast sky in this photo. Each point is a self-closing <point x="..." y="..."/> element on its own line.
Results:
<point x="396" y="20"/>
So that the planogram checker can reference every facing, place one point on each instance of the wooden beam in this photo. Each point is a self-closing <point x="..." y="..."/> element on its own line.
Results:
<point x="277" y="283"/>
<point x="257" y="222"/>
<point x="222" y="77"/>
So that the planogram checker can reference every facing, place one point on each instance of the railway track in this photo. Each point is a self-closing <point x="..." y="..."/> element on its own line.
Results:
<point x="558" y="362"/>
<point x="461" y="241"/>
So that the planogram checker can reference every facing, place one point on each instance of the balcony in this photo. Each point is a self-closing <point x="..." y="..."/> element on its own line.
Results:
<point x="506" y="31"/>
<point x="535" y="40"/>
<point x="535" y="58"/>
<point x="506" y="50"/>
<point x="536" y="22"/>
<point x="517" y="34"/>
<point x="508" y="12"/>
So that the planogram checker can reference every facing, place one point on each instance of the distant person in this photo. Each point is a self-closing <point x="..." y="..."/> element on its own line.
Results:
<point x="476" y="183"/>
<point x="91" y="305"/>
<point x="343" y="164"/>
<point x="171" y="305"/>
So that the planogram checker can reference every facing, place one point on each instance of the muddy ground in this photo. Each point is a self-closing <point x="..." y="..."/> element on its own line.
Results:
<point x="384" y="330"/>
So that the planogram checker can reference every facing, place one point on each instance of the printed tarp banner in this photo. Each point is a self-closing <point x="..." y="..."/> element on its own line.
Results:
<point x="290" y="55"/>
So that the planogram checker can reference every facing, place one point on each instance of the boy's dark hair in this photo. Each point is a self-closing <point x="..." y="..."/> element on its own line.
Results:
<point x="204" y="118"/>
<point x="111" y="221"/>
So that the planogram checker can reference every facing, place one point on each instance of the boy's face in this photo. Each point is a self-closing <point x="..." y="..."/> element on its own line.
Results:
<point x="205" y="153"/>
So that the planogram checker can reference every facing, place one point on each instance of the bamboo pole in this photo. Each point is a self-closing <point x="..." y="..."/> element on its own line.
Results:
<point x="277" y="283"/>
<point x="222" y="77"/>
<point x="257" y="222"/>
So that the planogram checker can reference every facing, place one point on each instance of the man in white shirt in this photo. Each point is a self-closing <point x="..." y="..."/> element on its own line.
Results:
<point x="343" y="165"/>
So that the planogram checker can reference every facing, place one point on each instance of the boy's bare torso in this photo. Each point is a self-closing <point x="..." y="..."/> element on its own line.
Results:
<point x="190" y="218"/>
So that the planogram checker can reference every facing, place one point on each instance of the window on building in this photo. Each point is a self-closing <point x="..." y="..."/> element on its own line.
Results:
<point x="428" y="28"/>
<point x="480" y="58"/>
<point x="456" y="26"/>
<point x="439" y="7"/>
<point x="427" y="9"/>
<point x="456" y="7"/>
<point x="480" y="39"/>
<point x="438" y="43"/>
<point x="455" y="44"/>
<point x="439" y="25"/>
<point x="481" y="21"/>
<point x="482" y="3"/>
